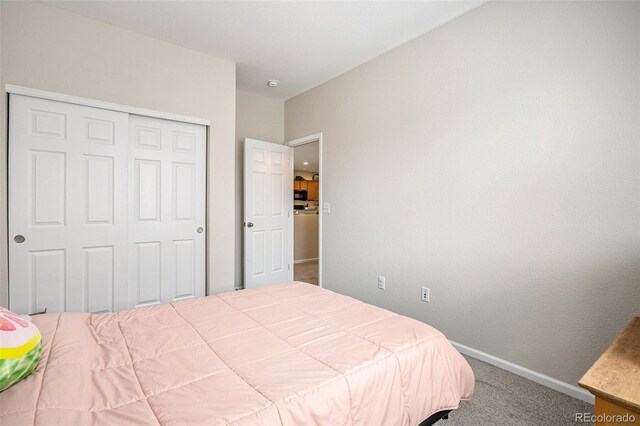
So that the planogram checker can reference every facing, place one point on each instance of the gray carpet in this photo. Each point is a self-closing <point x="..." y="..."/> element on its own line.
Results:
<point x="306" y="272"/>
<point x="503" y="398"/>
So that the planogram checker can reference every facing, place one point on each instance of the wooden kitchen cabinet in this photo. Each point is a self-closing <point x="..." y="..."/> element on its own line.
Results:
<point x="313" y="190"/>
<point x="311" y="186"/>
<point x="300" y="185"/>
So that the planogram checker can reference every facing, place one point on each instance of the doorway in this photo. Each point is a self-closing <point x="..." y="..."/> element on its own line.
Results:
<point x="307" y="209"/>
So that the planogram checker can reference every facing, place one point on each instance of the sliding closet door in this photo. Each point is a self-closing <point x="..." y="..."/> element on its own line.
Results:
<point x="67" y="207"/>
<point x="166" y="210"/>
<point x="106" y="209"/>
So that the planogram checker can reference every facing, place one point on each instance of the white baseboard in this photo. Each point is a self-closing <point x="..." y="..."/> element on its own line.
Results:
<point x="550" y="382"/>
<point x="315" y="259"/>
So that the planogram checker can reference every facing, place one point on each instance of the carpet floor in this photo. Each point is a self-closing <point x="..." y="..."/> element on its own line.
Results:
<point x="306" y="272"/>
<point x="503" y="398"/>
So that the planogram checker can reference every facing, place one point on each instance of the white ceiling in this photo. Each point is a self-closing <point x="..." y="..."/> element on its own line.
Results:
<point x="301" y="44"/>
<point x="307" y="153"/>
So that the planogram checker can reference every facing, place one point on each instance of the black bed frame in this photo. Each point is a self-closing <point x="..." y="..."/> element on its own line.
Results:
<point x="435" y="417"/>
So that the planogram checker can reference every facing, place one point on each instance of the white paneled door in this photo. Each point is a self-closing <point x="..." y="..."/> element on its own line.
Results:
<point x="166" y="210"/>
<point x="104" y="208"/>
<point x="268" y="201"/>
<point x="67" y="215"/>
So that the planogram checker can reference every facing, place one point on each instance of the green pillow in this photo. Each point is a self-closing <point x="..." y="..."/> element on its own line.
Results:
<point x="20" y="348"/>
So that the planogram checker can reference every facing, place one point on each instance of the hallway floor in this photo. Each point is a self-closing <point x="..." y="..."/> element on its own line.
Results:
<point x="306" y="272"/>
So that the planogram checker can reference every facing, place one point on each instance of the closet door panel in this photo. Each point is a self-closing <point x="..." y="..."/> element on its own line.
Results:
<point x="167" y="164"/>
<point x="67" y="207"/>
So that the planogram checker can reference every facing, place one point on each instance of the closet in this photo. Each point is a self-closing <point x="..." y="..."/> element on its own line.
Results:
<point x="106" y="208"/>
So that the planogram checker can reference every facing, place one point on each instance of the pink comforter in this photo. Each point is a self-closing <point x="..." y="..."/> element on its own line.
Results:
<point x="284" y="354"/>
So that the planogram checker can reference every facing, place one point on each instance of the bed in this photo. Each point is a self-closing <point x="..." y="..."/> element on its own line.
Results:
<point x="288" y="353"/>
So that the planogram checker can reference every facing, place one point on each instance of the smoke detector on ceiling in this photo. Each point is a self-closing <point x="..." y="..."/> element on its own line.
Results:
<point x="272" y="83"/>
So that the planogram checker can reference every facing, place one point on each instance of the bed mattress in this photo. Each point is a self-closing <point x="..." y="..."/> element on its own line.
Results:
<point x="289" y="353"/>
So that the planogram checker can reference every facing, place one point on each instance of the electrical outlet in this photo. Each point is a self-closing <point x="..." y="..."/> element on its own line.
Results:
<point x="424" y="296"/>
<point x="381" y="283"/>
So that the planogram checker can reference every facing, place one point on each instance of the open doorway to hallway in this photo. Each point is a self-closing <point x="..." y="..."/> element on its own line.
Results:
<point x="306" y="209"/>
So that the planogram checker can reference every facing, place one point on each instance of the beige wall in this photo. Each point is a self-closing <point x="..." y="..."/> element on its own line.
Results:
<point x="498" y="156"/>
<point x="305" y="231"/>
<point x="50" y="49"/>
<point x="305" y="175"/>
<point x="257" y="117"/>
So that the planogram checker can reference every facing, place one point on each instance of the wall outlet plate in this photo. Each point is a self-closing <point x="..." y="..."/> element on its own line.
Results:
<point x="381" y="283"/>
<point x="425" y="294"/>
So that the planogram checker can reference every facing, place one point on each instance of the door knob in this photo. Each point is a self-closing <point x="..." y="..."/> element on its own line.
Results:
<point x="19" y="239"/>
<point x="199" y="230"/>
<point x="249" y="224"/>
